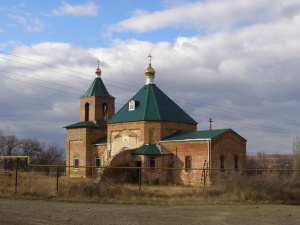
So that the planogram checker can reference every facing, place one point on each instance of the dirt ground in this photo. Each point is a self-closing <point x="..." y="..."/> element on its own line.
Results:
<point x="50" y="212"/>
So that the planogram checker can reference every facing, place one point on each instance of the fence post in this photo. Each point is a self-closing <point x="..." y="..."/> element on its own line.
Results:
<point x="204" y="178"/>
<point x="57" y="180"/>
<point x="16" y="184"/>
<point x="140" y="180"/>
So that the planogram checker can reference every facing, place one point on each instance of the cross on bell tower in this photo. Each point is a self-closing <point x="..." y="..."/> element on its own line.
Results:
<point x="210" y="123"/>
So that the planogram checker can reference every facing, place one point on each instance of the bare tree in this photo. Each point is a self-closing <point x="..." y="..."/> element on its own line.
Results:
<point x="30" y="147"/>
<point x="11" y="145"/>
<point x="2" y="142"/>
<point x="296" y="152"/>
<point x="51" y="155"/>
<point x="282" y="161"/>
<point x="263" y="161"/>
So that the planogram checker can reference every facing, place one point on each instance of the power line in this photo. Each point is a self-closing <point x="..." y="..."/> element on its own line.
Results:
<point x="61" y="73"/>
<point x="260" y="129"/>
<point x="61" y="68"/>
<point x="268" y="129"/>
<point x="46" y="69"/>
<point x="268" y="117"/>
<point x="40" y="80"/>
<point x="246" y="124"/>
<point x="39" y="85"/>
<point x="244" y="112"/>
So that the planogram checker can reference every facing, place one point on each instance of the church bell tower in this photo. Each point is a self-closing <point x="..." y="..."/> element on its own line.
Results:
<point x="97" y="105"/>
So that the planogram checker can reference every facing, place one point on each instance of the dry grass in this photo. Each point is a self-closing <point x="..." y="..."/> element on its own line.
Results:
<point x="29" y="184"/>
<point x="266" y="188"/>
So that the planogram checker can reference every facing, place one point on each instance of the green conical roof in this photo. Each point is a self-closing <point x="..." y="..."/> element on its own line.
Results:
<point x="97" y="88"/>
<point x="151" y="104"/>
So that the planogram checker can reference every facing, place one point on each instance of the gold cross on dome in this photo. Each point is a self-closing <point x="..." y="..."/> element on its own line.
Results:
<point x="98" y="61"/>
<point x="149" y="59"/>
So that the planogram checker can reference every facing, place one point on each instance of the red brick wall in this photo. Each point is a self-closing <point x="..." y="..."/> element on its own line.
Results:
<point x="127" y="159"/>
<point x="157" y="176"/>
<point x="152" y="131"/>
<point x="95" y="109"/>
<point x="123" y="159"/>
<point x="98" y="151"/>
<point x="79" y="143"/>
<point x="197" y="150"/>
<point x="228" y="145"/>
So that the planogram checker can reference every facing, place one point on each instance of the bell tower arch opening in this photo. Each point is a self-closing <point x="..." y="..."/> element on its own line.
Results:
<point x="86" y="111"/>
<point x="104" y="111"/>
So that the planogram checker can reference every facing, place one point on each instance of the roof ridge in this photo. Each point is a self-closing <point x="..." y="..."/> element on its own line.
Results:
<point x="157" y="106"/>
<point x="146" y="101"/>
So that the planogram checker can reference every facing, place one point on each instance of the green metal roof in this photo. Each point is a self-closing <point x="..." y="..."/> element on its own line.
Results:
<point x="194" y="135"/>
<point x="83" y="124"/>
<point x="97" y="88"/>
<point x="150" y="149"/>
<point x="152" y="105"/>
<point x="101" y="141"/>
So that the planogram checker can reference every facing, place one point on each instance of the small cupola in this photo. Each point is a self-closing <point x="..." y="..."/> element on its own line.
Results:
<point x="98" y="71"/>
<point x="150" y="72"/>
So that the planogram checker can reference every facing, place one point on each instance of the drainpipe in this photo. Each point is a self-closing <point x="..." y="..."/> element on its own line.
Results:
<point x="92" y="161"/>
<point x="208" y="157"/>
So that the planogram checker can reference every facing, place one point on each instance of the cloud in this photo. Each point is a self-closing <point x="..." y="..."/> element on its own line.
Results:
<point x="28" y="22"/>
<point x="211" y="15"/>
<point x="88" y="9"/>
<point x="246" y="79"/>
<point x="7" y="44"/>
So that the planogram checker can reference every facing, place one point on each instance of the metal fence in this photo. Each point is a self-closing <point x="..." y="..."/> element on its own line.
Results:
<point x="254" y="171"/>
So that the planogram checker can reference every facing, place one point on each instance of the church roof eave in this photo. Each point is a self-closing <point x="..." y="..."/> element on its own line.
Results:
<point x="82" y="124"/>
<point x="198" y="135"/>
<point x="147" y="149"/>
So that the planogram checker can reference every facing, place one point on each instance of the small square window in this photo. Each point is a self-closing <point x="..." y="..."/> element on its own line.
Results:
<point x="131" y="105"/>
<point x="98" y="161"/>
<point x="152" y="164"/>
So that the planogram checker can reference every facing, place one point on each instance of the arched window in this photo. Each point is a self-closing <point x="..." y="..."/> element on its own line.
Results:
<point x="87" y="111"/>
<point x="76" y="162"/>
<point x="131" y="105"/>
<point x="222" y="163"/>
<point x="236" y="162"/>
<point x="188" y="163"/>
<point x="104" y="111"/>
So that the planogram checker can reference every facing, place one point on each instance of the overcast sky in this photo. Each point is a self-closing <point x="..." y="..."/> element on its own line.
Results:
<point x="235" y="61"/>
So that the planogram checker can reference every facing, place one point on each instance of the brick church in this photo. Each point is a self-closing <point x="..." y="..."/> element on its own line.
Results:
<point x="151" y="131"/>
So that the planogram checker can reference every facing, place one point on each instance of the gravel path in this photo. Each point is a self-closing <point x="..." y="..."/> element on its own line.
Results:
<point x="50" y="212"/>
